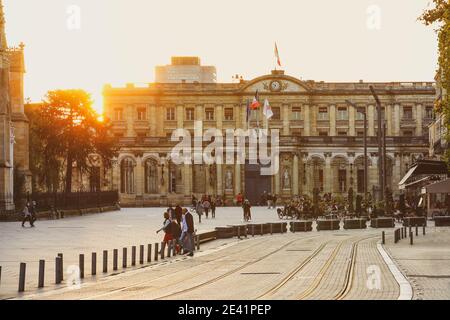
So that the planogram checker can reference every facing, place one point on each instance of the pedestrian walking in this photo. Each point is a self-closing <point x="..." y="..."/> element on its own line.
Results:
<point x="199" y="210"/>
<point x="246" y="209"/>
<point x="206" y="207"/>
<point x="213" y="208"/>
<point x="167" y="230"/>
<point x="27" y="215"/>
<point x="188" y="226"/>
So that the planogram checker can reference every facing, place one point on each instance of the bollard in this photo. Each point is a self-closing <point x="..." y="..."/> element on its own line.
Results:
<point x="58" y="270"/>
<point x="141" y="254"/>
<point x="411" y="238"/>
<point x="133" y="255"/>
<point x="124" y="257"/>
<point x="410" y="229"/>
<point x="262" y="229"/>
<point x="81" y="261"/>
<point x="402" y="233"/>
<point x="115" y="259"/>
<point x="94" y="264"/>
<point x="383" y="237"/>
<point x="156" y="251"/>
<point x="423" y="229"/>
<point x="163" y="248"/>
<point x="245" y="232"/>
<point x="105" y="261"/>
<point x="41" y="273"/>
<point x="239" y="232"/>
<point x="417" y="230"/>
<point x="198" y="242"/>
<point x="169" y="248"/>
<point x="62" y="266"/>
<point x="253" y="230"/>
<point x="23" y="267"/>
<point x="271" y="229"/>
<point x="149" y="253"/>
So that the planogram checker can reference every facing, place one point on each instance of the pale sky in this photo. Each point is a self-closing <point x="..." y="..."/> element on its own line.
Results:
<point x="121" y="41"/>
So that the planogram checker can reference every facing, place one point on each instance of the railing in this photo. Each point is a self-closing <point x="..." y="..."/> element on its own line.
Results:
<point x="74" y="200"/>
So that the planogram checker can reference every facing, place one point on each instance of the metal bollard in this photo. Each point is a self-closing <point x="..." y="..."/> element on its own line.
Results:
<point x="417" y="230"/>
<point x="383" y="239"/>
<point x="156" y="251"/>
<point x="245" y="232"/>
<point x="141" y="254"/>
<point x="239" y="232"/>
<point x="253" y="230"/>
<point x="105" y="261"/>
<point x="124" y="257"/>
<point x="163" y="248"/>
<point x="23" y="267"/>
<point x="94" y="263"/>
<point x="115" y="259"/>
<point x="81" y="261"/>
<point x="58" y="270"/>
<point x="409" y="229"/>
<point x="411" y="238"/>
<point x="133" y="255"/>
<point x="198" y="242"/>
<point x="41" y="273"/>
<point x="62" y="266"/>
<point x="149" y="253"/>
<point x="271" y="229"/>
<point x="423" y="229"/>
<point x="262" y="229"/>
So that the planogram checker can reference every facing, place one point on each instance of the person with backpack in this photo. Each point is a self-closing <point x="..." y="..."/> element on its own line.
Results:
<point x="167" y="228"/>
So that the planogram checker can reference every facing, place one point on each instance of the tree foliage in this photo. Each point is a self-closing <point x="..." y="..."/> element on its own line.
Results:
<point x="66" y="130"/>
<point x="439" y="15"/>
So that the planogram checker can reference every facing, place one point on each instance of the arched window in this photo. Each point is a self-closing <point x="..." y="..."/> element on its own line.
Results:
<point x="127" y="176"/>
<point x="151" y="176"/>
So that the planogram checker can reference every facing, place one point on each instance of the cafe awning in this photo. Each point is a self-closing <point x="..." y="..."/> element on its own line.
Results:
<point x="401" y="184"/>
<point x="439" y="187"/>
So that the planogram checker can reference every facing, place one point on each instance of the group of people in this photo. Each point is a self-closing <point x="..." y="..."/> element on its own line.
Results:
<point x="178" y="225"/>
<point x="29" y="213"/>
<point x="204" y="205"/>
<point x="269" y="199"/>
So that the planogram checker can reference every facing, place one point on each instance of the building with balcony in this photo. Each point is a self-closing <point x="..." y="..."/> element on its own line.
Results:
<point x="321" y="137"/>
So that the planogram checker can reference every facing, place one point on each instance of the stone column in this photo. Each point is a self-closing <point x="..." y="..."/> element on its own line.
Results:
<point x="164" y="185"/>
<point x="295" y="190"/>
<point x="180" y="116"/>
<point x="332" y="116"/>
<point x="419" y="119"/>
<point x="371" y="121"/>
<point x="306" y="120"/>
<point x="313" y="119"/>
<point x="187" y="179"/>
<point x="328" y="174"/>
<point x="199" y="110"/>
<point x="351" y="121"/>
<point x="237" y="178"/>
<point x="285" y="118"/>
<point x="139" y="176"/>
<point x="277" y="182"/>
<point x="207" y="180"/>
<point x="219" y="180"/>
<point x="219" y="117"/>
<point x="396" y="174"/>
<point x="389" y="120"/>
<point x="397" y="120"/>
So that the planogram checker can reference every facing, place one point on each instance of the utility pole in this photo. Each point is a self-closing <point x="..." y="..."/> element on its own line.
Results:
<point x="381" y="157"/>
<point x="363" y="110"/>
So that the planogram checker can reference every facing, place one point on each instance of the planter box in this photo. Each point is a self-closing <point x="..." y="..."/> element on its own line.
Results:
<point x="224" y="232"/>
<point x="301" y="226"/>
<point x="207" y="236"/>
<point x="328" y="224"/>
<point x="382" y="222"/>
<point x="442" y="221"/>
<point x="413" y="221"/>
<point x="259" y="229"/>
<point x="355" y="223"/>
<point x="242" y="231"/>
<point x="279" y="227"/>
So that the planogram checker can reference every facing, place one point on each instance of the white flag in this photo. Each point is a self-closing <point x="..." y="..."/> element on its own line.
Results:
<point x="267" y="111"/>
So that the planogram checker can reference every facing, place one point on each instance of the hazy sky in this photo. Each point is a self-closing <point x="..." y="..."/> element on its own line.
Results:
<point x="121" y="41"/>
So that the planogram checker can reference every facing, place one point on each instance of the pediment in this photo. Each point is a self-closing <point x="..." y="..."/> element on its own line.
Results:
<point x="271" y="84"/>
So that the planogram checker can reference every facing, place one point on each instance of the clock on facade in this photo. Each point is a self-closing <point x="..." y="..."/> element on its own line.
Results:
<point x="275" y="86"/>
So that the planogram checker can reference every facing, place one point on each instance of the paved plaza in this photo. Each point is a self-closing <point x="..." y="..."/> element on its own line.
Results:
<point x="343" y="264"/>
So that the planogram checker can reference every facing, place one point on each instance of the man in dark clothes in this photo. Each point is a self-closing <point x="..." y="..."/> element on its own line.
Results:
<point x="190" y="233"/>
<point x="178" y="213"/>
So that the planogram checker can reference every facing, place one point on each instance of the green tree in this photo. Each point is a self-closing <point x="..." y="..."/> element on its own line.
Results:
<point x="67" y="130"/>
<point x="439" y="15"/>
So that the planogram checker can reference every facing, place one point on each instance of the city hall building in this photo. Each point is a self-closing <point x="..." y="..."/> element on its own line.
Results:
<point x="321" y="136"/>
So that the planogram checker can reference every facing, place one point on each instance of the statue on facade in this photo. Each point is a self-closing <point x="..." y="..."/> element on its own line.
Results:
<point x="228" y="179"/>
<point x="286" y="179"/>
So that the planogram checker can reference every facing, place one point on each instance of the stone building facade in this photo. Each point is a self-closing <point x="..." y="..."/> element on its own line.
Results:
<point x="321" y="137"/>
<point x="13" y="122"/>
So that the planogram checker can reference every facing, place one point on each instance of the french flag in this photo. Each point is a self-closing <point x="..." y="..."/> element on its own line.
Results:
<point x="255" y="104"/>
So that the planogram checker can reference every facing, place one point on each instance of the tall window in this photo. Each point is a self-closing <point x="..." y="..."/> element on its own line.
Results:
<point x="296" y="113"/>
<point x="276" y="113"/>
<point x="359" y="116"/>
<point x="429" y="114"/>
<point x="407" y="113"/>
<point x="190" y="114"/>
<point x="209" y="114"/>
<point x="141" y="114"/>
<point x="170" y="114"/>
<point x="323" y="113"/>
<point x="127" y="176"/>
<point x="118" y="114"/>
<point x="151" y="176"/>
<point x="342" y="179"/>
<point x="342" y="113"/>
<point x="228" y="114"/>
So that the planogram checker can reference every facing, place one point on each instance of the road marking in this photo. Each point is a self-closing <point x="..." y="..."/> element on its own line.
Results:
<point x="406" y="292"/>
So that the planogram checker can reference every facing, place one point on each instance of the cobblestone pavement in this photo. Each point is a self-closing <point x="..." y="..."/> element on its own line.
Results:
<point x="426" y="263"/>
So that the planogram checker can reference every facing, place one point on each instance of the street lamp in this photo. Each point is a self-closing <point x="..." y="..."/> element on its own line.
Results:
<point x="364" y="112"/>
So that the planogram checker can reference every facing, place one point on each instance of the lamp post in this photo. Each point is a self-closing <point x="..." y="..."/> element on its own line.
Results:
<point x="364" y="112"/>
